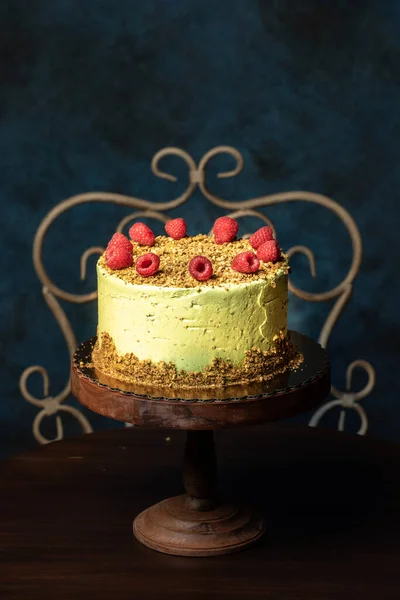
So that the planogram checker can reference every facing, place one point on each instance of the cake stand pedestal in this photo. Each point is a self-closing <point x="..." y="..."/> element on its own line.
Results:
<point x="201" y="522"/>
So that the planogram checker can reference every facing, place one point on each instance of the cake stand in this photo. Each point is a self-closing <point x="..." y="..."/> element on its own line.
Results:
<point x="201" y="522"/>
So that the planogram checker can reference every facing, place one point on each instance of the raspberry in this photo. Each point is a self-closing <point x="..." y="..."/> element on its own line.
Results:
<point x="118" y="239"/>
<point x="119" y="257"/>
<point x="143" y="235"/>
<point x="176" y="228"/>
<point x="147" y="264"/>
<point x="200" y="268"/>
<point x="225" y="230"/>
<point x="246" y="262"/>
<point x="119" y="252"/>
<point x="260" y="236"/>
<point x="269" y="251"/>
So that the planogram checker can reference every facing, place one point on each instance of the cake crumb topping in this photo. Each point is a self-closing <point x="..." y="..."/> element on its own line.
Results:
<point x="175" y="256"/>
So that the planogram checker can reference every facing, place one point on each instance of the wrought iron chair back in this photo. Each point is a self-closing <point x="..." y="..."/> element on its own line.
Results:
<point x="56" y="405"/>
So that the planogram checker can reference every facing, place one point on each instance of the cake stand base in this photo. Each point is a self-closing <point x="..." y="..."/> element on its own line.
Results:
<point x="198" y="523"/>
<point x="173" y="526"/>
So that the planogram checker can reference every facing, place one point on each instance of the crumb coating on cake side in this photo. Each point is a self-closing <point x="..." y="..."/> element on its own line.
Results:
<point x="257" y="366"/>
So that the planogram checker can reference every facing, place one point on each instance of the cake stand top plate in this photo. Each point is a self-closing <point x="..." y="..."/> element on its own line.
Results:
<point x="206" y="408"/>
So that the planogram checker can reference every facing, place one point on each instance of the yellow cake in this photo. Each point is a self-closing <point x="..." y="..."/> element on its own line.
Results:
<point x="169" y="329"/>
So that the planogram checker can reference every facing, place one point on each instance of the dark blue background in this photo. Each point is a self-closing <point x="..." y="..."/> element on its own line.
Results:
<point x="308" y="91"/>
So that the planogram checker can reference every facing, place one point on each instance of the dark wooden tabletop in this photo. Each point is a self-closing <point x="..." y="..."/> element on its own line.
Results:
<point x="332" y="503"/>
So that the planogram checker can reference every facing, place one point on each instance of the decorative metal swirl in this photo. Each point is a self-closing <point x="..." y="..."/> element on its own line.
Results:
<point x="51" y="406"/>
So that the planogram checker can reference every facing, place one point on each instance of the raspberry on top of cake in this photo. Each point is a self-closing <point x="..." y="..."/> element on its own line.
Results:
<point x="229" y="260"/>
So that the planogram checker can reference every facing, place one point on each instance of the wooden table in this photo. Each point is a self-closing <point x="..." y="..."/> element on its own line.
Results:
<point x="332" y="502"/>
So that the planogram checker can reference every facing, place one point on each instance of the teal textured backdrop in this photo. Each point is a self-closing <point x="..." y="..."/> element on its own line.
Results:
<point x="308" y="91"/>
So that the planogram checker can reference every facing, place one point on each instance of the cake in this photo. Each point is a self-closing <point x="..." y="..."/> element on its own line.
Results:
<point x="193" y="311"/>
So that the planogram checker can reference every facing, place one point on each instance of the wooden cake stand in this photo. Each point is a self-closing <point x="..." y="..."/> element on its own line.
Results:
<point x="200" y="522"/>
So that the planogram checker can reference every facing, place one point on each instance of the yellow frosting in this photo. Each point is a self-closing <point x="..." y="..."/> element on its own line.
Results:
<point x="191" y="326"/>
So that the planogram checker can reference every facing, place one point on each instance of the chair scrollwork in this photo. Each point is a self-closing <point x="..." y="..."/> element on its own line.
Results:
<point x="56" y="406"/>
